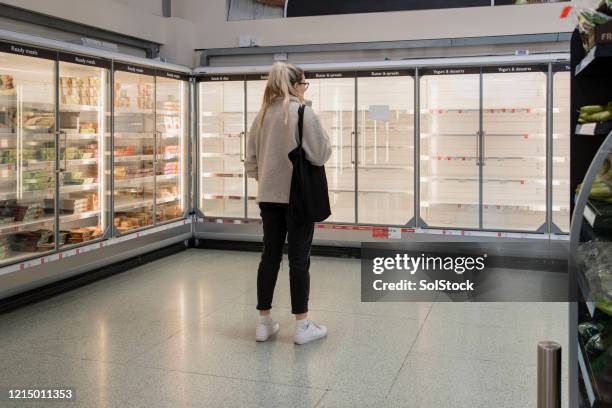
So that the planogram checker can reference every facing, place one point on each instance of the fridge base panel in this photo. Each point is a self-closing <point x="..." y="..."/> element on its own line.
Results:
<point x="39" y="272"/>
<point x="546" y="246"/>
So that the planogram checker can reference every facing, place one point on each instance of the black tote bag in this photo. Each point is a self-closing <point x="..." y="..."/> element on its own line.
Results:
<point x="308" y="198"/>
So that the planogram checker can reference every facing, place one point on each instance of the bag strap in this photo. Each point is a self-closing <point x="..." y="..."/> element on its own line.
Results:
<point x="301" y="124"/>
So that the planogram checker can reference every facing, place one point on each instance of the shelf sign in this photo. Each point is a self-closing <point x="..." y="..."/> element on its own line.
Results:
<point x="379" y="112"/>
<point x="83" y="60"/>
<point x="257" y="77"/>
<point x="450" y="71"/>
<point x="134" y="69"/>
<point x="513" y="69"/>
<point x="385" y="73"/>
<point x="220" y="78"/>
<point x="172" y="75"/>
<point x="380" y="232"/>
<point x="27" y="51"/>
<point x="330" y="75"/>
<point x="564" y="67"/>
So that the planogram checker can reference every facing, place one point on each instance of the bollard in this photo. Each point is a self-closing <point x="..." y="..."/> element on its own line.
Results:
<point x="549" y="374"/>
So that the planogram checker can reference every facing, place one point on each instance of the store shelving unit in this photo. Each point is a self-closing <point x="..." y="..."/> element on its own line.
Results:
<point x="222" y="142"/>
<point x="150" y="146"/>
<point x="71" y="118"/>
<point x="385" y="147"/>
<point x="591" y="232"/>
<point x="491" y="143"/>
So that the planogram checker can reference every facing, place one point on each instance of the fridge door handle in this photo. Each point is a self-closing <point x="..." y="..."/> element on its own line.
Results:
<point x="242" y="138"/>
<point x="353" y="136"/>
<point x="484" y="134"/>
<point x="478" y="147"/>
<point x="156" y="135"/>
<point x="59" y="134"/>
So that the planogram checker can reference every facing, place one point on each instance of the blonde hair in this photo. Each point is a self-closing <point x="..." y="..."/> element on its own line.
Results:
<point x="281" y="85"/>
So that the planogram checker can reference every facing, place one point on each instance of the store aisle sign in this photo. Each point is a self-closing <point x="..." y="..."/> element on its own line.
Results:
<point x="27" y="51"/>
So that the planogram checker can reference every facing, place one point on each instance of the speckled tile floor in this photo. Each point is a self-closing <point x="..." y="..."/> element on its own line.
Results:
<point x="179" y="332"/>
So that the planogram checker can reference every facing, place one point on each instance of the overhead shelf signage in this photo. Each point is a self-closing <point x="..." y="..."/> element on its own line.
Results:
<point x="27" y="51"/>
<point x="221" y="78"/>
<point x="562" y="67"/>
<point x="134" y="69"/>
<point x="172" y="75"/>
<point x="450" y="71"/>
<point x="330" y="75"/>
<point x="83" y="60"/>
<point x="385" y="73"/>
<point x="514" y="69"/>
<point x="257" y="77"/>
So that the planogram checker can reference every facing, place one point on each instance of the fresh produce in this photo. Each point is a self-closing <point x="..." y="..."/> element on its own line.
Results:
<point x="595" y="113"/>
<point x="589" y="109"/>
<point x="588" y="19"/>
<point x="602" y="186"/>
<point x="601" y="116"/>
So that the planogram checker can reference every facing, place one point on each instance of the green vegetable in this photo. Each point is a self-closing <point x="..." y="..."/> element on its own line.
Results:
<point x="592" y="16"/>
<point x="600" y="116"/>
<point x="591" y="109"/>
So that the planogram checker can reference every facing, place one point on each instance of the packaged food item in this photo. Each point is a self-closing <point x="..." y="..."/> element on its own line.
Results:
<point x="32" y="241"/>
<point x="588" y="19"/>
<point x="5" y="249"/>
<point x="589" y="329"/>
<point x="45" y="123"/>
<point x="88" y="128"/>
<point x="7" y="86"/>
<point x="79" y="90"/>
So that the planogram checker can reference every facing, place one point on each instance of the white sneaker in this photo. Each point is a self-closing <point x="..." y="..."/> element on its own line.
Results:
<point x="266" y="329"/>
<point x="307" y="331"/>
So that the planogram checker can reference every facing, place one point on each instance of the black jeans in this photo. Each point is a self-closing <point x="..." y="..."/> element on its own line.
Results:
<point x="277" y="226"/>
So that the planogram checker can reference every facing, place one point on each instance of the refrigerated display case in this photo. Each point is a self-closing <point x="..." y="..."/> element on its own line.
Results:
<point x="134" y="140"/>
<point x="513" y="140"/>
<point x="84" y="130"/>
<point x="591" y="255"/>
<point x="58" y="106"/>
<point x="172" y="130"/>
<point x="255" y="87"/>
<point x="333" y="100"/>
<point x="385" y="143"/>
<point x="449" y="147"/>
<point x="561" y="148"/>
<point x="28" y="162"/>
<point x="221" y="124"/>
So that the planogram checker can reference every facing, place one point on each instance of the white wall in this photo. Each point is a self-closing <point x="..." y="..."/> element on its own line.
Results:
<point x="213" y="31"/>
<point x="138" y="18"/>
<point x="203" y="24"/>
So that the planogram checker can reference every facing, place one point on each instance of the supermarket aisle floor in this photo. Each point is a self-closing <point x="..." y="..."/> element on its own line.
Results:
<point x="179" y="332"/>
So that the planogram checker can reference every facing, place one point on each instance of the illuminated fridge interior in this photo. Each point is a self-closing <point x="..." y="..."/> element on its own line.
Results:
<point x="27" y="158"/>
<point x="221" y="147"/>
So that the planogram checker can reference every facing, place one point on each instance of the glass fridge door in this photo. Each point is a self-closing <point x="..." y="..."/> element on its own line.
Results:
<point x="27" y="157"/>
<point x="561" y="148"/>
<point x="134" y="147"/>
<point x="221" y="178"/>
<point x="514" y="154"/>
<point x="172" y="117"/>
<point x="449" y="147"/>
<point x="255" y="87"/>
<point x="84" y="140"/>
<point x="333" y="99"/>
<point x="385" y="119"/>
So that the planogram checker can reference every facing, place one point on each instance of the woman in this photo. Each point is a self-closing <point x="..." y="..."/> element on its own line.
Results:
<point x="273" y="135"/>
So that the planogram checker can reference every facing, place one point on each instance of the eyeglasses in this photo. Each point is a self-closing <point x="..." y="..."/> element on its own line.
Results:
<point x="306" y="84"/>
